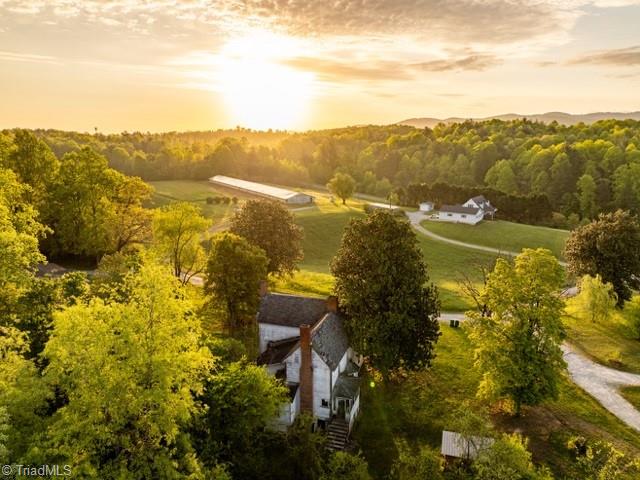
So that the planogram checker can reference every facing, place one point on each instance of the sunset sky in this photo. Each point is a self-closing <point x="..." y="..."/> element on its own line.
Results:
<point x="159" y="65"/>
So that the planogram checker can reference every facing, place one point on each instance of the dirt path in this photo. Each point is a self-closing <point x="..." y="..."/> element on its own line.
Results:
<point x="603" y="384"/>
<point x="416" y="217"/>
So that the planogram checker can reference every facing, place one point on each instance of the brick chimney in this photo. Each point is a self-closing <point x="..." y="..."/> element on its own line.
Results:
<point x="306" y="370"/>
<point x="332" y="304"/>
<point x="264" y="288"/>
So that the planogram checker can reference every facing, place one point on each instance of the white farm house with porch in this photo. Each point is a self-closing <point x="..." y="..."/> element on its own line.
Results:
<point x="471" y="212"/>
<point x="303" y="341"/>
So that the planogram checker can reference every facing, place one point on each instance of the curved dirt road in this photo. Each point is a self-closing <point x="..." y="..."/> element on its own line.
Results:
<point x="416" y="217"/>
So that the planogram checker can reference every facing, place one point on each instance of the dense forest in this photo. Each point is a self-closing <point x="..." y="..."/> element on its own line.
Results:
<point x="581" y="169"/>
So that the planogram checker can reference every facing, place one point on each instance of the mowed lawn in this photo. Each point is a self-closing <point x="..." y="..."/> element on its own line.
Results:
<point x="610" y="342"/>
<point x="502" y="235"/>
<point x="415" y="411"/>
<point x="195" y="192"/>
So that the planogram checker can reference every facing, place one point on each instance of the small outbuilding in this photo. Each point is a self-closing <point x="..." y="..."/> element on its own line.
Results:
<point x="455" y="445"/>
<point x="426" y="206"/>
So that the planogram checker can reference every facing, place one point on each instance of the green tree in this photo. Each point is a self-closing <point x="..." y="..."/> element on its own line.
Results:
<point x="234" y="271"/>
<point x="518" y="347"/>
<point x="380" y="281"/>
<point x="601" y="460"/>
<point x="346" y="466"/>
<point x="595" y="301"/>
<point x="83" y="210"/>
<point x="128" y="372"/>
<point x="632" y="314"/>
<point x="131" y="224"/>
<point x="425" y="464"/>
<point x="508" y="459"/>
<point x="177" y="232"/>
<point x="502" y="178"/>
<point x="609" y="246"/>
<point x="19" y="234"/>
<point x="342" y="185"/>
<point x="34" y="164"/>
<point x="587" y="192"/>
<point x="270" y="226"/>
<point x="241" y="400"/>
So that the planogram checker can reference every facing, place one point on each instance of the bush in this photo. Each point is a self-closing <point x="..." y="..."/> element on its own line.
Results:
<point x="209" y="200"/>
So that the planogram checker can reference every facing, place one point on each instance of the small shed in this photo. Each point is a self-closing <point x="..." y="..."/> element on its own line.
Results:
<point x="426" y="206"/>
<point x="455" y="445"/>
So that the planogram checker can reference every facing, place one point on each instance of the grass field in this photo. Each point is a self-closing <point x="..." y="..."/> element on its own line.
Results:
<point x="194" y="192"/>
<point x="632" y="394"/>
<point x="324" y="224"/>
<point x="611" y="342"/>
<point x="502" y="235"/>
<point x="417" y="410"/>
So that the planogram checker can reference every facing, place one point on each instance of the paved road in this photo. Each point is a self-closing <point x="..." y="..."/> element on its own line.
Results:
<point x="416" y="217"/>
<point x="601" y="382"/>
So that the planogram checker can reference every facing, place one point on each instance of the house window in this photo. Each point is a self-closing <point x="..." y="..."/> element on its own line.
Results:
<point x="464" y="216"/>
<point x="325" y="403"/>
<point x="449" y="214"/>
<point x="295" y="359"/>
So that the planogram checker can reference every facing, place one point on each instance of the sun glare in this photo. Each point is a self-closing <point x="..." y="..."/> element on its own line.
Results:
<point x="259" y="90"/>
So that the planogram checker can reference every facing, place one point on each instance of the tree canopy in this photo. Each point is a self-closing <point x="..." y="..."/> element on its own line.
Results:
<point x="609" y="246"/>
<point x="518" y="347"/>
<point x="342" y="185"/>
<point x="271" y="227"/>
<point x="380" y="282"/>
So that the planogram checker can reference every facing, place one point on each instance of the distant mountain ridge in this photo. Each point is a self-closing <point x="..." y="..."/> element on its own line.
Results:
<point x="560" y="117"/>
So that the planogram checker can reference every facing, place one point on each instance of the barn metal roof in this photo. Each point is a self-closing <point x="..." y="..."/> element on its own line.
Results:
<point x="258" y="188"/>
<point x="455" y="445"/>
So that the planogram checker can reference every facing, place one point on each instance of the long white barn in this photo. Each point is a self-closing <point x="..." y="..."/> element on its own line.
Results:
<point x="262" y="190"/>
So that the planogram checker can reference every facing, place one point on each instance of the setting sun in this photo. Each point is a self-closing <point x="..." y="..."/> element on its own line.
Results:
<point x="258" y="90"/>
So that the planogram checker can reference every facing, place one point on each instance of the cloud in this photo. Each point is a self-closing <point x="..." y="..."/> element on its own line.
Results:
<point x="332" y="70"/>
<point x="471" y="62"/>
<point x="623" y="57"/>
<point x="26" y="57"/>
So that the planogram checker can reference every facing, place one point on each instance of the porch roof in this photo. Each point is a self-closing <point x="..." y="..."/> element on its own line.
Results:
<point x="347" y="387"/>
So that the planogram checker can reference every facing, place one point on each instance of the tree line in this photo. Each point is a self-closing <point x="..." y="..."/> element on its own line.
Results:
<point x="581" y="169"/>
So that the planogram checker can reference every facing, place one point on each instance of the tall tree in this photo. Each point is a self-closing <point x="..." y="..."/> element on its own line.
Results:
<point x="270" y="226"/>
<point x="380" y="281"/>
<point x="19" y="234"/>
<point x="128" y="372"/>
<point x="587" y="194"/>
<point x="178" y="229"/>
<point x="518" y="347"/>
<point x="83" y="208"/>
<point x="595" y="301"/>
<point x="132" y="222"/>
<point x="609" y="246"/>
<point x="234" y="271"/>
<point x="342" y="185"/>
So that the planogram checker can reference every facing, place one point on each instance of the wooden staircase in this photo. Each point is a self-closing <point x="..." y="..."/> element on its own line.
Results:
<point x="337" y="434"/>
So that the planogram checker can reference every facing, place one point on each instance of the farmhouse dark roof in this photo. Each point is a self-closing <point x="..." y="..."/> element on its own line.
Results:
<point x="277" y="351"/>
<point x="291" y="310"/>
<point x="479" y="199"/>
<point x="459" y="209"/>
<point x="329" y="340"/>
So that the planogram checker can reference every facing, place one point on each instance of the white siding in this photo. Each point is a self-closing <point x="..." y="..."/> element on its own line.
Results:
<point x="355" y="408"/>
<point x="299" y="198"/>
<point x="340" y="367"/>
<point x="288" y="413"/>
<point x="321" y="387"/>
<point x="269" y="333"/>
<point x="460" y="217"/>
<point x="293" y="366"/>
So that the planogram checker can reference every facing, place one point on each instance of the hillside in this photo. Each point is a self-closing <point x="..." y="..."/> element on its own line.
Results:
<point x="560" y="117"/>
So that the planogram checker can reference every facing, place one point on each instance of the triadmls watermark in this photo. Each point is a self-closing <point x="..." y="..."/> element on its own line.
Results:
<point x="20" y="471"/>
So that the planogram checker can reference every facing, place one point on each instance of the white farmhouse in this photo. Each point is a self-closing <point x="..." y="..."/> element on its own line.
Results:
<point x="471" y="212"/>
<point x="303" y="342"/>
<point x="483" y="204"/>
<point x="460" y="214"/>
